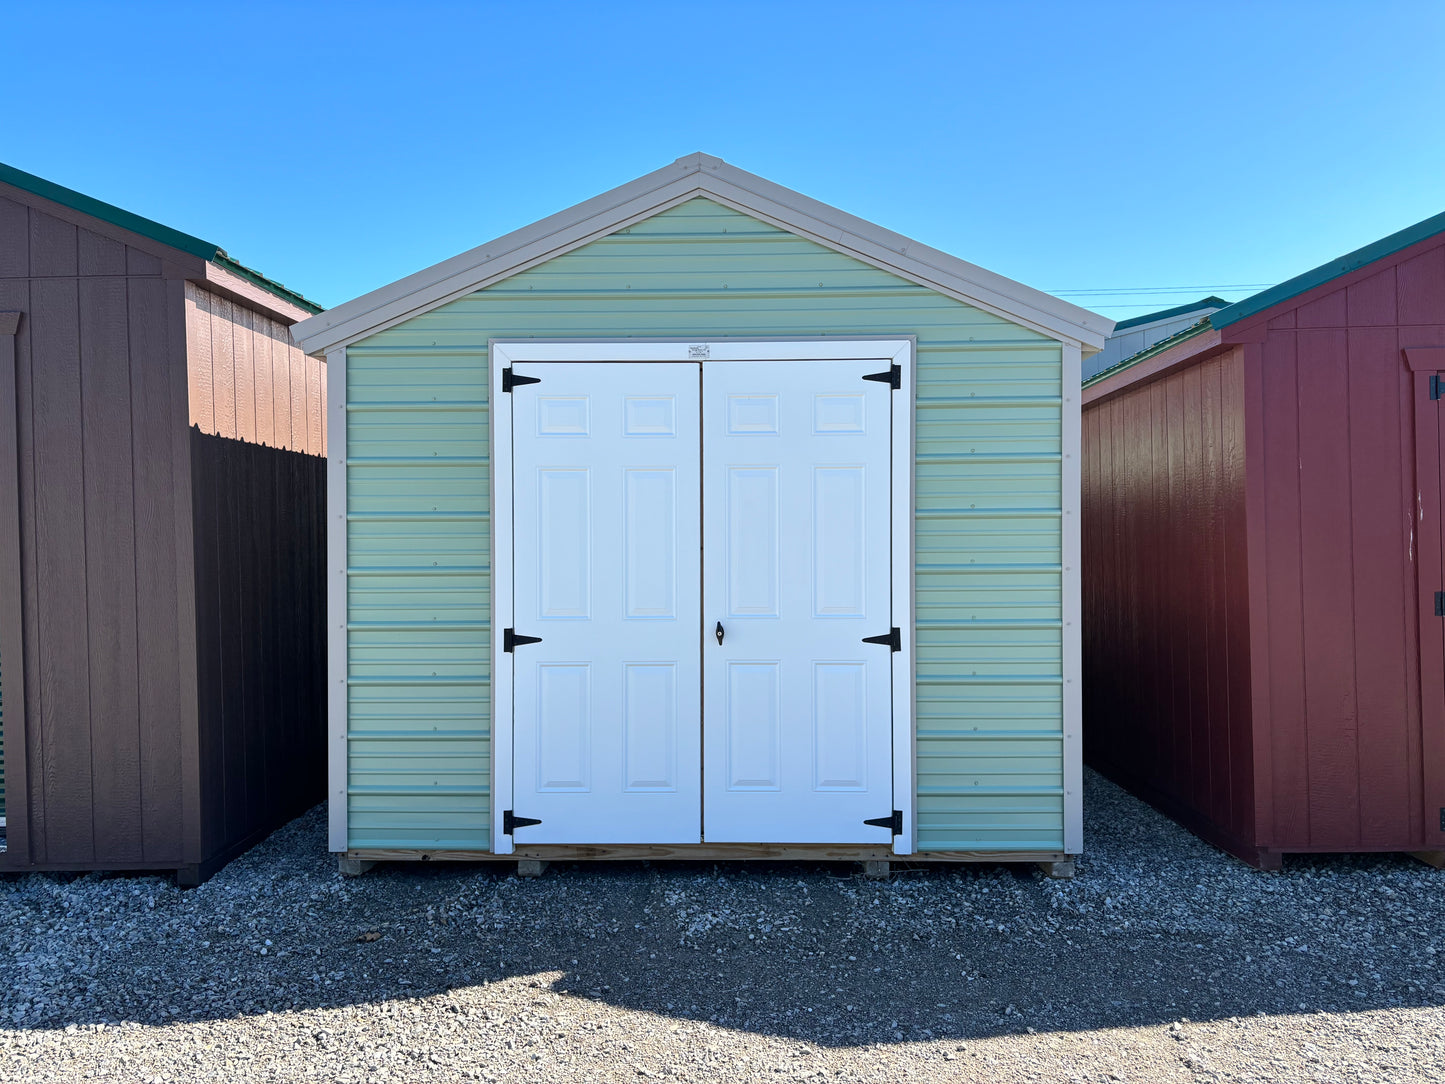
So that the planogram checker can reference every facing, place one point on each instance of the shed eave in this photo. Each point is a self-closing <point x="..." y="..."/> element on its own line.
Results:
<point x="687" y="178"/>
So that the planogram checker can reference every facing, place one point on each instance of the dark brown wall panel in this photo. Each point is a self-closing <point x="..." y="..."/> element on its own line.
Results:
<point x="260" y="635"/>
<point x="110" y="559"/>
<point x="108" y="770"/>
<point x="1166" y="602"/>
<point x="61" y="719"/>
<point x="157" y="636"/>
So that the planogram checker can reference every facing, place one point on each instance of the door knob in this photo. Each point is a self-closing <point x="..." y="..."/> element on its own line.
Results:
<point x="718" y="632"/>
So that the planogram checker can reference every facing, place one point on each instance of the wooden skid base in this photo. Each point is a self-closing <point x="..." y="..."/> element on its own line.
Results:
<point x="707" y="852"/>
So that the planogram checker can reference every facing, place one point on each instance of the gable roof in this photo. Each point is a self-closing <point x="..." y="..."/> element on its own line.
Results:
<point x="146" y="227"/>
<point x="1376" y="250"/>
<point x="687" y="178"/>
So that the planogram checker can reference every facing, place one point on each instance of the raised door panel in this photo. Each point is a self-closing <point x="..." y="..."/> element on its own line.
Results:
<point x="606" y="506"/>
<point x="796" y="513"/>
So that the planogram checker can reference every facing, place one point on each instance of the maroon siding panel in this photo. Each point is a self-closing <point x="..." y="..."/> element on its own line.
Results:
<point x="1292" y="668"/>
<point x="1166" y="608"/>
<point x="258" y="546"/>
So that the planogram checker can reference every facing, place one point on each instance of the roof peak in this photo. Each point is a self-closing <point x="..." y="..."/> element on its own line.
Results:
<point x="693" y="175"/>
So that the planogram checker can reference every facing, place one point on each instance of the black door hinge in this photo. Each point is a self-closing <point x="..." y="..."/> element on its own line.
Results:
<point x="511" y="380"/>
<point x="894" y="823"/>
<point x="893" y="638"/>
<point x="1440" y="603"/>
<point x="510" y="639"/>
<point x="1442" y="818"/>
<point x="511" y="822"/>
<point x="893" y="377"/>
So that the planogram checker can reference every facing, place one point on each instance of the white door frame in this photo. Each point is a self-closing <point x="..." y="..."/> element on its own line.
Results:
<point x="502" y="354"/>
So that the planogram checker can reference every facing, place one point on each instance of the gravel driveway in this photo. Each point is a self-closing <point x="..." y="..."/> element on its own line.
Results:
<point x="1163" y="961"/>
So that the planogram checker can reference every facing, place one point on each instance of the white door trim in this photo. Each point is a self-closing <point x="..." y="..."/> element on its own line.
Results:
<point x="503" y="354"/>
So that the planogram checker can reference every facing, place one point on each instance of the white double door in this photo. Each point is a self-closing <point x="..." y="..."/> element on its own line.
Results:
<point x="702" y="549"/>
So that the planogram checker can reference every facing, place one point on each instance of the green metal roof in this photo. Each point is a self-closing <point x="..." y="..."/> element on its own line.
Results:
<point x="1377" y="250"/>
<point x="1150" y="351"/>
<point x="1177" y="310"/>
<point x="146" y="227"/>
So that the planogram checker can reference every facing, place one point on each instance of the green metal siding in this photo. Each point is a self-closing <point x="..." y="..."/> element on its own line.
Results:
<point x="990" y="746"/>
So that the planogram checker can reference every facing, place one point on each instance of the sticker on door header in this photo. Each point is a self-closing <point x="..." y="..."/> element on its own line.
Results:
<point x="702" y="351"/>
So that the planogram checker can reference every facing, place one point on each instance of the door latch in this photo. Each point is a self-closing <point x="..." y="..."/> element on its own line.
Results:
<point x="718" y="632"/>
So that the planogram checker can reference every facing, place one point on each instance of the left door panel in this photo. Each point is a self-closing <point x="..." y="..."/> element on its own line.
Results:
<point x="606" y="522"/>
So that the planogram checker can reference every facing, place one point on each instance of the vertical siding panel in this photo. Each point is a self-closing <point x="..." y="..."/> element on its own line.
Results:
<point x="281" y="389"/>
<point x="1212" y="565"/>
<point x="1381" y="560"/>
<point x="262" y="332"/>
<point x="53" y="247"/>
<point x="1283" y="577"/>
<point x="97" y="255"/>
<point x="1421" y="291"/>
<point x="1157" y="659"/>
<point x="64" y="719"/>
<point x="1325" y="448"/>
<point x="157" y="643"/>
<point x="245" y="373"/>
<point x="223" y="370"/>
<point x="314" y="409"/>
<point x="12" y="581"/>
<point x="207" y="489"/>
<point x="24" y="814"/>
<point x="110" y="561"/>
<point x="199" y="362"/>
<point x="14" y="240"/>
<point x="1259" y="525"/>
<point x="1195" y="760"/>
<point x="296" y="363"/>
<point x="1236" y="614"/>
<point x="1370" y="302"/>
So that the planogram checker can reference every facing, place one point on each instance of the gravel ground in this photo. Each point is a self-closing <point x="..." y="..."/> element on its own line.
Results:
<point x="1163" y="961"/>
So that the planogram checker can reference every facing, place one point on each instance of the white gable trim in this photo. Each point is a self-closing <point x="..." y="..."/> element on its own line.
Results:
<point x="687" y="178"/>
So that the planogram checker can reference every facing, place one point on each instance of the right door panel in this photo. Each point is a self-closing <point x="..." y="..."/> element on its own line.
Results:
<point x="797" y="709"/>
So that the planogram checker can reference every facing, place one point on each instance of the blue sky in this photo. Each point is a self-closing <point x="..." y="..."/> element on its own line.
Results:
<point x="1075" y="147"/>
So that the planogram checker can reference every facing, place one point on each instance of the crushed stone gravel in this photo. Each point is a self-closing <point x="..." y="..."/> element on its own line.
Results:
<point x="1164" y="960"/>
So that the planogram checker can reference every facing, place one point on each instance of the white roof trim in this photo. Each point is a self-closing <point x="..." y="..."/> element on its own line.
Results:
<point x="699" y="175"/>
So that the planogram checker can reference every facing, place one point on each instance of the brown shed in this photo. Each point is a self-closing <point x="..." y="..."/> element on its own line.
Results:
<point x="1263" y="654"/>
<point x="162" y="461"/>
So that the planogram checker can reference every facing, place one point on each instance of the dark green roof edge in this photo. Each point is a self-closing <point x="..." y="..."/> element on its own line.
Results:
<point x="1149" y="352"/>
<point x="1164" y="314"/>
<point x="1377" y="250"/>
<point x="146" y="227"/>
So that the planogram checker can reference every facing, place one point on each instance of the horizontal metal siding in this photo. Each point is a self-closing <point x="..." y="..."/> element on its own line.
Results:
<point x="990" y="743"/>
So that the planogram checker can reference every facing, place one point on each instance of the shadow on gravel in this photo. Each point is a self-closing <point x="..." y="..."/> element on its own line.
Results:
<point x="1157" y="926"/>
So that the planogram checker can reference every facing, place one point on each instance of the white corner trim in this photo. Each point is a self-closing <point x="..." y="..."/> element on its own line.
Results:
<point x="502" y="355"/>
<point x="903" y="562"/>
<point x="699" y="175"/>
<point x="499" y="467"/>
<point x="1073" y="610"/>
<point x="337" y="707"/>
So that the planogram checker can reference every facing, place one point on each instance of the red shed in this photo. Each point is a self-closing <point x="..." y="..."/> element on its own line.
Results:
<point x="1263" y="652"/>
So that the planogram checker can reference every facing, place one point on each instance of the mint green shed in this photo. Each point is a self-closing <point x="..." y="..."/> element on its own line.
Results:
<point x="486" y="701"/>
